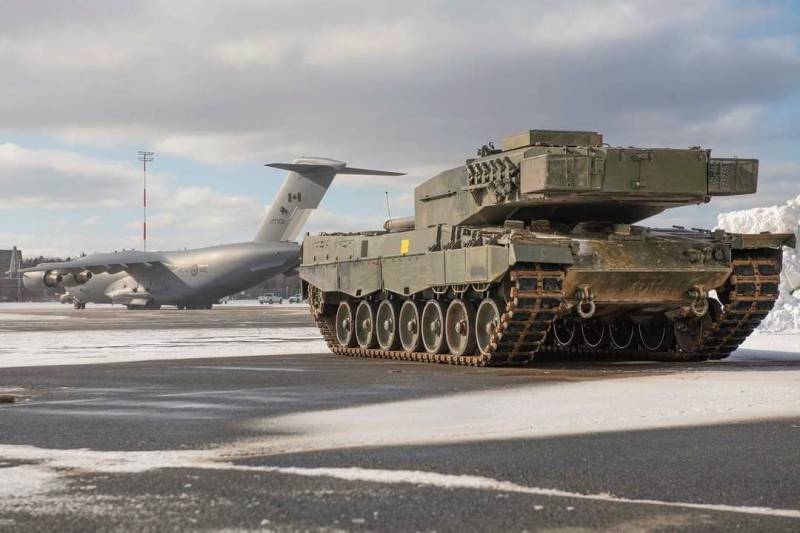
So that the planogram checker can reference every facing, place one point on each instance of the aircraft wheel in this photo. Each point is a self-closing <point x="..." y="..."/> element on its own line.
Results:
<point x="386" y="321"/>
<point x="433" y="327"/>
<point x="622" y="332"/>
<point x="594" y="333"/>
<point x="410" y="337"/>
<point x="460" y="327"/>
<point x="656" y="335"/>
<point x="564" y="332"/>
<point x="365" y="325"/>
<point x="487" y="320"/>
<point x="344" y="325"/>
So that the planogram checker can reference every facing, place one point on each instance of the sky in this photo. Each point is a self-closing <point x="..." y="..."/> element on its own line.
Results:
<point x="217" y="89"/>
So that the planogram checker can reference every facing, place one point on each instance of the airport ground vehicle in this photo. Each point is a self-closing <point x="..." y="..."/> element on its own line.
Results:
<point x="295" y="298"/>
<point x="270" y="298"/>
<point x="534" y="246"/>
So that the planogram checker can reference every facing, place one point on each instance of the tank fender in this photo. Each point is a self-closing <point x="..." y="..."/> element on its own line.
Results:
<point x="746" y="241"/>
<point x="541" y="253"/>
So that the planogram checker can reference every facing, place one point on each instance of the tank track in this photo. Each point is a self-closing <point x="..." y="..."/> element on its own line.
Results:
<point x="751" y="293"/>
<point x="533" y="304"/>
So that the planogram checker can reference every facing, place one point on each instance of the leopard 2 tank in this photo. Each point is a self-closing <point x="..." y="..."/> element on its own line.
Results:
<point x="534" y="246"/>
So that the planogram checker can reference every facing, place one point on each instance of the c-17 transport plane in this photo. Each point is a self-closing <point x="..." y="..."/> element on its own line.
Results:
<point x="196" y="279"/>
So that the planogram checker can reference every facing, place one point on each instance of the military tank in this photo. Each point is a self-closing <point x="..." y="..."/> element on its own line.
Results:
<point x="533" y="247"/>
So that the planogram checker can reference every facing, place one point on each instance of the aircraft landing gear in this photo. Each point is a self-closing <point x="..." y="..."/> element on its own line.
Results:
<point x="79" y="305"/>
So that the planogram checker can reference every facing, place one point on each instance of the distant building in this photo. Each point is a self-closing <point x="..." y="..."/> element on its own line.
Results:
<point x="11" y="289"/>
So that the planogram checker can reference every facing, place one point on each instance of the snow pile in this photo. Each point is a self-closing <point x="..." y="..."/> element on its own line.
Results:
<point x="785" y="316"/>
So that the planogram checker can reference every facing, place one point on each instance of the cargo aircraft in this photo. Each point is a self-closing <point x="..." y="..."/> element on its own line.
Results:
<point x="198" y="278"/>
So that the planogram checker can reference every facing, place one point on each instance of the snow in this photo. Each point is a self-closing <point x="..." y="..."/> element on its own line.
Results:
<point x="20" y="317"/>
<point x="25" y="481"/>
<point x="33" y="348"/>
<point x="37" y="482"/>
<point x="50" y="305"/>
<point x="681" y="399"/>
<point x="768" y="346"/>
<point x="785" y="316"/>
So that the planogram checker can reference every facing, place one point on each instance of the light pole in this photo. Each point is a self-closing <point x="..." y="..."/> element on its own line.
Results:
<point x="144" y="157"/>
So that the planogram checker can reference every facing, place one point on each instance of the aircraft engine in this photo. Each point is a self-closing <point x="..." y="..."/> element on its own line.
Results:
<point x="75" y="278"/>
<point x="39" y="281"/>
<point x="79" y="278"/>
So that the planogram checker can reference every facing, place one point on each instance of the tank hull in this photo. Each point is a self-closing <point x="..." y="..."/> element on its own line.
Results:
<point x="615" y="279"/>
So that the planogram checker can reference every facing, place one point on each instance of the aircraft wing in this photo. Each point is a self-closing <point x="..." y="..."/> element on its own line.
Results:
<point x="97" y="263"/>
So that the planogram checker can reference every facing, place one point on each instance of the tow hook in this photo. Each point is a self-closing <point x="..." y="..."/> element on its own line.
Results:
<point x="585" y="297"/>
<point x="699" y="297"/>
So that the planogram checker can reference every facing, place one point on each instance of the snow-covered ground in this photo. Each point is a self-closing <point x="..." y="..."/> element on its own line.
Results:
<point x="79" y="346"/>
<point x="785" y="317"/>
<point x="31" y="348"/>
<point x="58" y="305"/>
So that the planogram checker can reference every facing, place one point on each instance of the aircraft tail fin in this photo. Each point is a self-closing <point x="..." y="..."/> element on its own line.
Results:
<point x="302" y="191"/>
<point x="14" y="266"/>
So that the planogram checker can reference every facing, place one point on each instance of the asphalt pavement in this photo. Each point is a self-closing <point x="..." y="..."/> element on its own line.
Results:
<point x="240" y="443"/>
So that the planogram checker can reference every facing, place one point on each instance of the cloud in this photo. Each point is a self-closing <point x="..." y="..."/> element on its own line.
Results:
<point x="68" y="183"/>
<point x="418" y="86"/>
<point x="412" y="89"/>
<point x="58" y="179"/>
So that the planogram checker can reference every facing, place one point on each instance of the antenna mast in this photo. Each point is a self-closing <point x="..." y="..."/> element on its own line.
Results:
<point x="144" y="157"/>
<point x="388" y="211"/>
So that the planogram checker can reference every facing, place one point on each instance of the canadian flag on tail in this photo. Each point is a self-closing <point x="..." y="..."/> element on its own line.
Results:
<point x="304" y="188"/>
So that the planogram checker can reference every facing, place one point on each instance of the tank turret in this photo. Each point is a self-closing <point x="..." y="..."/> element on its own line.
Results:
<point x="572" y="176"/>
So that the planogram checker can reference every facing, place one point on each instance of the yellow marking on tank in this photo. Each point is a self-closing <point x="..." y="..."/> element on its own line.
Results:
<point x="404" y="246"/>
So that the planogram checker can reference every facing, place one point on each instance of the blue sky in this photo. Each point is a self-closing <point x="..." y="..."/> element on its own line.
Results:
<point x="218" y="89"/>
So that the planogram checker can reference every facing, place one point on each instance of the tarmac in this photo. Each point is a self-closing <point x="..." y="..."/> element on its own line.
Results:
<point x="286" y="439"/>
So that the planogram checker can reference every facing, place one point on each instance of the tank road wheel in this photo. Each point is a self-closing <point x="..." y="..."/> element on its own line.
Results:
<point x="564" y="332"/>
<point x="410" y="338"/>
<point x="365" y="325"/>
<point x="487" y="321"/>
<point x="621" y="333"/>
<point x="594" y="333"/>
<point x="386" y="321"/>
<point x="433" y="327"/>
<point x="344" y="325"/>
<point x="656" y="335"/>
<point x="460" y="327"/>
